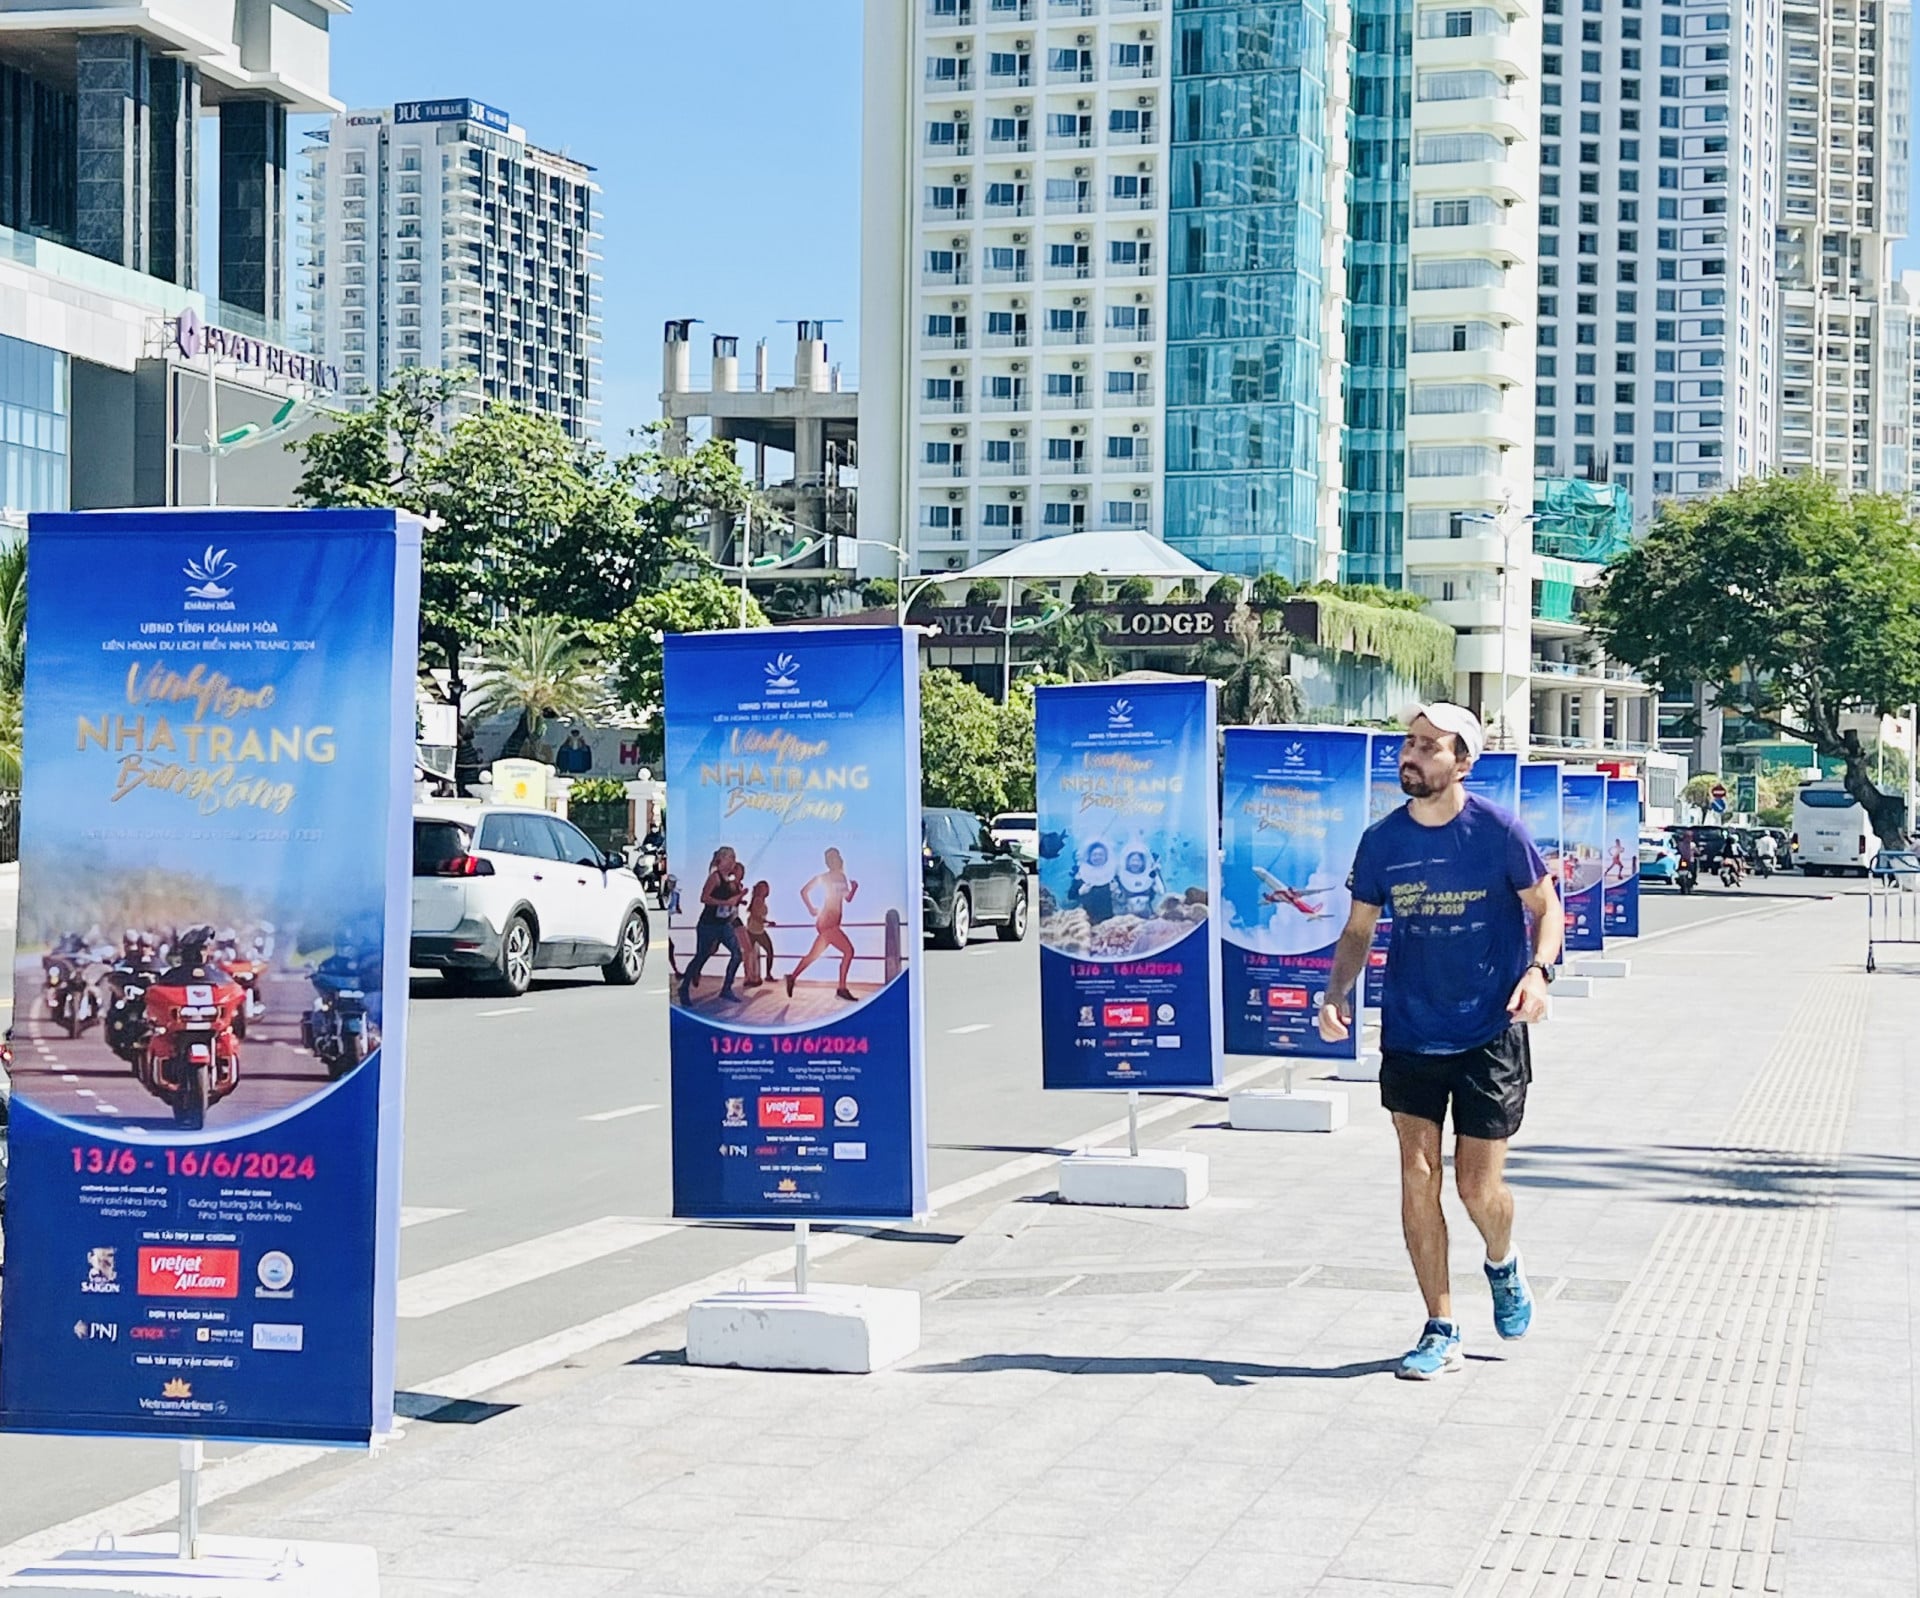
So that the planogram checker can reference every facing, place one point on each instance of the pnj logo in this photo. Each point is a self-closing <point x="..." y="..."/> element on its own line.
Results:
<point x="1120" y="714"/>
<point x="783" y="674"/>
<point x="206" y="575"/>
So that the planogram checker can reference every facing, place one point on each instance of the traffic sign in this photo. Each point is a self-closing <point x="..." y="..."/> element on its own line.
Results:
<point x="1719" y="790"/>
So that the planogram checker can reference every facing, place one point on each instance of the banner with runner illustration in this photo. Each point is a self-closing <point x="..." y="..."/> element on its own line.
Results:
<point x="1540" y="815"/>
<point x="793" y="780"/>
<point x="1621" y="870"/>
<point x="1129" y="941"/>
<point x="210" y="979"/>
<point x="1583" y="843"/>
<point x="1384" y="796"/>
<point x="1495" y="777"/>
<point x="1294" y="803"/>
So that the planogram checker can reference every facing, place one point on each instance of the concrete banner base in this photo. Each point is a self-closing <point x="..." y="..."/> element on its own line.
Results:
<point x="851" y="1330"/>
<point x="1153" y="1179"/>
<point x="1365" y="1069"/>
<point x="227" y="1567"/>
<point x="1276" y="1110"/>
<point x="1596" y="966"/>
<point x="1572" y="987"/>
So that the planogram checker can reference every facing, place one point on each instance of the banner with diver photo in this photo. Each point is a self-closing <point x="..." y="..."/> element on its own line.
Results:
<point x="1495" y="777"/>
<point x="1129" y="942"/>
<point x="1294" y="803"/>
<point x="1384" y="796"/>
<point x="793" y="781"/>
<point x="1583" y="842"/>
<point x="1621" y="870"/>
<point x="210" y="982"/>
<point x="1540" y="815"/>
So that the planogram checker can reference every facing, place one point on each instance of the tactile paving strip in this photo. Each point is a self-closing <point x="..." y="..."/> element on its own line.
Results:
<point x="1672" y="1466"/>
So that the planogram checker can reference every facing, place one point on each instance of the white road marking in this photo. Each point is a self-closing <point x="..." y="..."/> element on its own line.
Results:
<point x="448" y="1287"/>
<point x="962" y="1031"/>
<point x="68" y="1076"/>
<point x="108" y="1109"/>
<point x="266" y="1462"/>
<point x="512" y="1009"/>
<point x="86" y="1093"/>
<point x="420" y="1214"/>
<point x="621" y="1115"/>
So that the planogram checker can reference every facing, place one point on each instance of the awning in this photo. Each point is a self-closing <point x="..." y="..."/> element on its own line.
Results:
<point x="1122" y="553"/>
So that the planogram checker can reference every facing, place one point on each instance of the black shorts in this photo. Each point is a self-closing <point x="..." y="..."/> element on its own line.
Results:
<point x="1488" y="1085"/>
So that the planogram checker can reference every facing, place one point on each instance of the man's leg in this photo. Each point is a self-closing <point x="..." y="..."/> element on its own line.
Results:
<point x="1422" y="1221"/>
<point x="1479" y="1172"/>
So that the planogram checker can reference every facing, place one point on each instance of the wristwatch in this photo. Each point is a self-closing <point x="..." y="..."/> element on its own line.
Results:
<point x="1545" y="970"/>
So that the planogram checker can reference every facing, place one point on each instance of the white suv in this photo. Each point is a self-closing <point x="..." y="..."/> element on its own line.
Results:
<point x="500" y="892"/>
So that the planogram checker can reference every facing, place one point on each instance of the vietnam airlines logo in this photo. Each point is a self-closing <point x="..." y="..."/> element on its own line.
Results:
<point x="208" y="573"/>
<point x="1120" y="713"/>
<point x="783" y="674"/>
<point x="179" y="1387"/>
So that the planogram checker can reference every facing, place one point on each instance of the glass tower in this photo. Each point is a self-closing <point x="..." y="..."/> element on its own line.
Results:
<point x="1246" y="226"/>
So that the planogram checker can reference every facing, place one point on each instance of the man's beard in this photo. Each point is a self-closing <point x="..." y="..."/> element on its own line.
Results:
<point x="1415" y="786"/>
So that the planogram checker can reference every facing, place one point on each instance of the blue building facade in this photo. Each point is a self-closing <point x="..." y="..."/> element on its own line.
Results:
<point x="1246" y="230"/>
<point x="1373" y="509"/>
<point x="34" y="427"/>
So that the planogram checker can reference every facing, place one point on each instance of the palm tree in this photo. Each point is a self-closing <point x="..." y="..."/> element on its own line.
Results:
<point x="541" y="670"/>
<point x="1252" y="668"/>
<point x="13" y="656"/>
<point x="1074" y="648"/>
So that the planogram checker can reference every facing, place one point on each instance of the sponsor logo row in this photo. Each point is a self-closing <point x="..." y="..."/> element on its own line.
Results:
<point x="188" y="1273"/>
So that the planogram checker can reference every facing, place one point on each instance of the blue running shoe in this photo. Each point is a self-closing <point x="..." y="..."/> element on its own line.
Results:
<point x="1512" y="1298"/>
<point x="1437" y="1352"/>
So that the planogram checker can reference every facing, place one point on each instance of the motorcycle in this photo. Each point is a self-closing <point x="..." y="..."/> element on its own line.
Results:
<point x="126" y="1029"/>
<point x="1729" y="871"/>
<point x="249" y="974"/>
<point x="1763" y="867"/>
<point x="338" y="1029"/>
<point x="68" y="997"/>
<point x="1686" y="876"/>
<point x="192" y="1055"/>
<point x="650" y="866"/>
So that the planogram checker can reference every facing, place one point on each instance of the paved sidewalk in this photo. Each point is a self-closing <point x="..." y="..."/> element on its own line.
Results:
<point x="1717" y="1191"/>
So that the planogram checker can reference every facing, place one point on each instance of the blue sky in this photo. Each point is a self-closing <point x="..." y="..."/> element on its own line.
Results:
<point x="726" y="134"/>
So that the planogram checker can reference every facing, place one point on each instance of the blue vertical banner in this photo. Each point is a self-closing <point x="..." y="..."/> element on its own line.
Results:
<point x="1583" y="843"/>
<point x="1620" y="869"/>
<point x="210" y="981"/>
<point x="796" y="1022"/>
<point x="1129" y="821"/>
<point x="1294" y="803"/>
<point x="1495" y="777"/>
<point x="1540" y="815"/>
<point x="1384" y="796"/>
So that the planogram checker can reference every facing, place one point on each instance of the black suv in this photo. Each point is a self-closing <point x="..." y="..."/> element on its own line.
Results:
<point x="966" y="878"/>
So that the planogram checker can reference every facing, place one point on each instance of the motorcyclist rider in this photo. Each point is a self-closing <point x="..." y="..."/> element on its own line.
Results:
<point x="1767" y="850"/>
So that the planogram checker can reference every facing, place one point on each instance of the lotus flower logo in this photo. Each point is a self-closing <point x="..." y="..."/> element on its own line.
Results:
<point x="783" y="673"/>
<point x="179" y="1387"/>
<point x="208" y="572"/>
<point x="1120" y="713"/>
<point x="1295" y="754"/>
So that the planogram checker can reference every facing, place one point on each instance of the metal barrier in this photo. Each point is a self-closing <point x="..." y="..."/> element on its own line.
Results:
<point x="1893" y="906"/>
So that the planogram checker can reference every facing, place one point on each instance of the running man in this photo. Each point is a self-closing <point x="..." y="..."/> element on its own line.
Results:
<point x="836" y="892"/>
<point x="1461" y="988"/>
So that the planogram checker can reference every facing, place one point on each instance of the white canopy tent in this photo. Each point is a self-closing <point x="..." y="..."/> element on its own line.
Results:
<point x="1123" y="553"/>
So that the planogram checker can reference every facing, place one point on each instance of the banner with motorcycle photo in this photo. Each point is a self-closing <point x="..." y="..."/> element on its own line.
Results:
<point x="210" y="984"/>
<point x="793" y="780"/>
<point x="1294" y="804"/>
<point x="1583" y="844"/>
<point x="1129" y="881"/>
<point x="1384" y="796"/>
<point x="1622" y="871"/>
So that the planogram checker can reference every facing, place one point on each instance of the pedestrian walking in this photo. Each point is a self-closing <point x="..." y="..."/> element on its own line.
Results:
<point x="1462" y="876"/>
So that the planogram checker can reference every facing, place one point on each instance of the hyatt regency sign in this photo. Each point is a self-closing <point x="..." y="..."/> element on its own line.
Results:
<point x="195" y="338"/>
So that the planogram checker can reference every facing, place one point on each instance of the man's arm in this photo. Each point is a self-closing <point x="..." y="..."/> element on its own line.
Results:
<point x="1349" y="960"/>
<point x="1529" y="1000"/>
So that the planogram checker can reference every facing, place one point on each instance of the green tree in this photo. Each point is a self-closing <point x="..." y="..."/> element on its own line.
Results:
<point x="701" y="604"/>
<point x="1135" y="591"/>
<point x="960" y="746"/>
<point x="880" y="593"/>
<point x="1699" y="789"/>
<point x="1778" y="785"/>
<point x="1270" y="588"/>
<point x="1089" y="590"/>
<point x="1073" y="648"/>
<point x="1188" y="591"/>
<point x="1013" y="752"/>
<point x="1225" y="591"/>
<point x="1253" y="666"/>
<point x="1791" y="602"/>
<point x="538" y="669"/>
<point x="985" y="593"/>
<point x="13" y="656"/>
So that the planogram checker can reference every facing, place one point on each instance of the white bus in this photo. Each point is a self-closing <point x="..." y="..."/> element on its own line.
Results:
<point x="1833" y="830"/>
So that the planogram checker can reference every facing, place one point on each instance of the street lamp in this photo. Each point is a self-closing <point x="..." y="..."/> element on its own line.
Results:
<point x="1506" y="524"/>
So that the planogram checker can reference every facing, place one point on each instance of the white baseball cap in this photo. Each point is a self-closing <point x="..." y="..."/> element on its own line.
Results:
<point x="1456" y="719"/>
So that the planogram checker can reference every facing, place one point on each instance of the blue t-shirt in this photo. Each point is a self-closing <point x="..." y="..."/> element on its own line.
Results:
<point x="1459" y="939"/>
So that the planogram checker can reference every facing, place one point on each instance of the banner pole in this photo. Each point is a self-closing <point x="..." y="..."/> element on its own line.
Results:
<point x="1133" y="1123"/>
<point x="192" y="1456"/>
<point x="799" y="1256"/>
<point x="1290" y="1070"/>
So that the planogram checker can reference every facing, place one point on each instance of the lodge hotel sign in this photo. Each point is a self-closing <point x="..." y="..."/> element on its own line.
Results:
<point x="1123" y="626"/>
<point x="195" y="338"/>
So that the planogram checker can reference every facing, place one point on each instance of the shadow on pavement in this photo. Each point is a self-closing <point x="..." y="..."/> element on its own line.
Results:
<point x="1693" y="1174"/>
<point x="1221" y="1372"/>
<point x="446" y="1411"/>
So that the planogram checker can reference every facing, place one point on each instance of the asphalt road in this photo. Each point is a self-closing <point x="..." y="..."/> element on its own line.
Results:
<point x="537" y="1183"/>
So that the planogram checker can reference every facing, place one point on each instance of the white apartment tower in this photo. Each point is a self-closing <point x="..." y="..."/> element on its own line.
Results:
<point x="1844" y="356"/>
<point x="439" y="237"/>
<point x="1658" y="317"/>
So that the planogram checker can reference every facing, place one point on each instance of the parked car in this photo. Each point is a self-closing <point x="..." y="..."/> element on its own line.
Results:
<point x="967" y="879"/>
<point x="1019" y="830"/>
<point x="501" y="892"/>
<point x="1659" y="857"/>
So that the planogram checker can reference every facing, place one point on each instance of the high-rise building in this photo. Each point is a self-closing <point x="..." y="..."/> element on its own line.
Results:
<point x="1095" y="258"/>
<point x="1844" y="162"/>
<point x="439" y="237"/>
